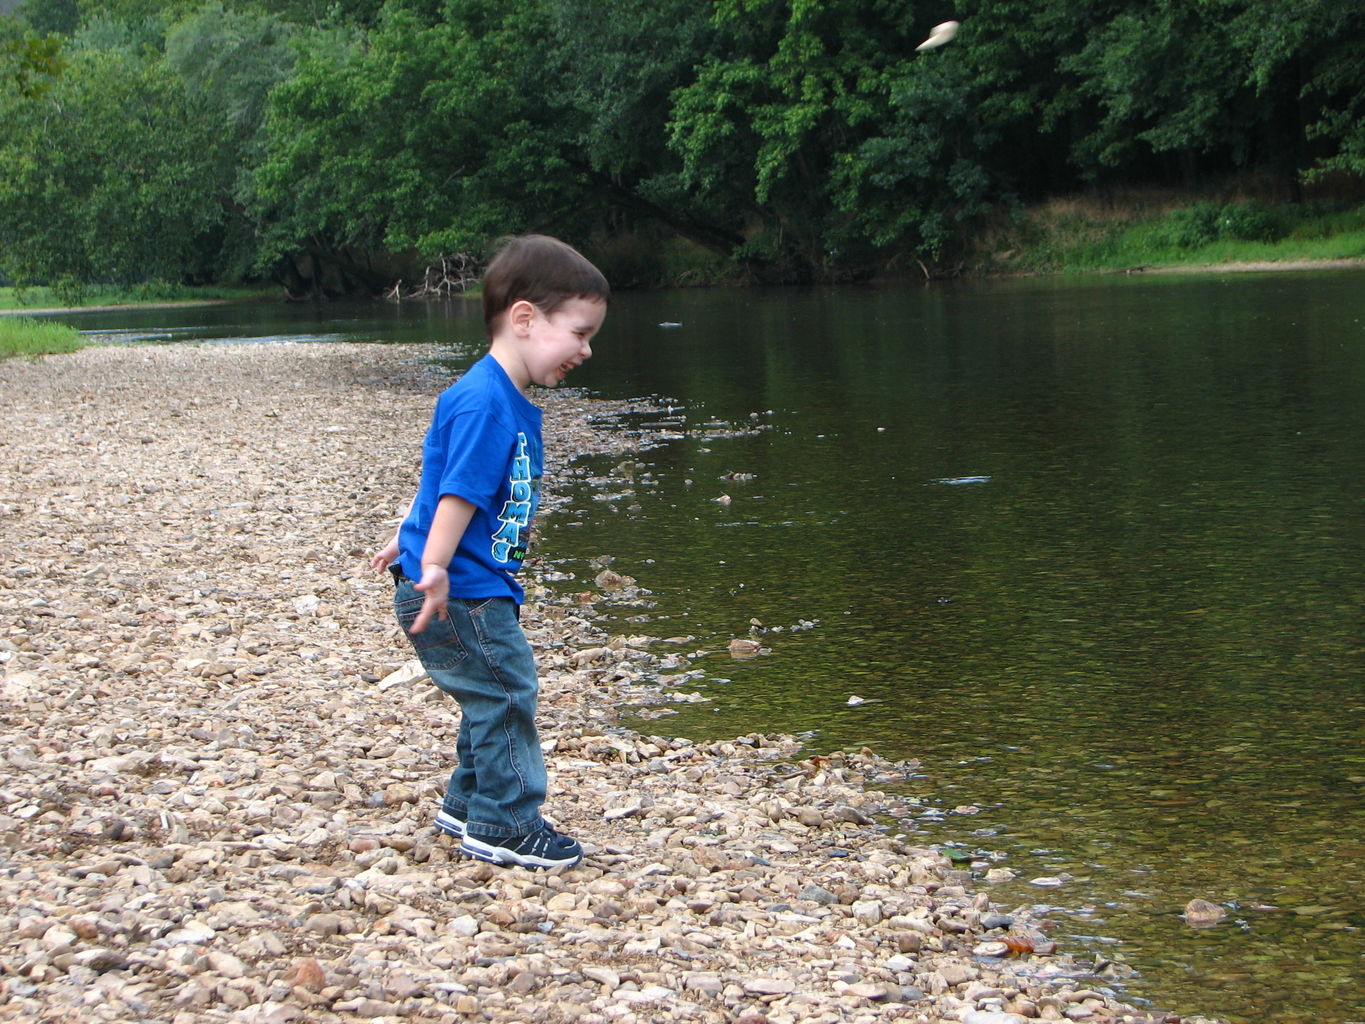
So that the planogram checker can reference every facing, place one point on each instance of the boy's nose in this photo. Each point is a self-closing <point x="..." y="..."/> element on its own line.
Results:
<point x="586" y="350"/>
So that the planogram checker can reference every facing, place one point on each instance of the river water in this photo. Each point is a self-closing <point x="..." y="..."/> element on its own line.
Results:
<point x="1092" y="551"/>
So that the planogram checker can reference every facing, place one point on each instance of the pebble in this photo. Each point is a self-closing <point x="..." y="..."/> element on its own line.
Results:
<point x="992" y="948"/>
<point x="220" y="769"/>
<point x="100" y="959"/>
<point x="306" y="973"/>
<point x="991" y="1017"/>
<point x="1202" y="913"/>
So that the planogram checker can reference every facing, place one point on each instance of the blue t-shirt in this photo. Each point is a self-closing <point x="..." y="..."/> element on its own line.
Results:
<point x="483" y="446"/>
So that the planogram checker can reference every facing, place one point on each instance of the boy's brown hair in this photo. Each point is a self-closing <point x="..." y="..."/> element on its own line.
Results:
<point x="542" y="270"/>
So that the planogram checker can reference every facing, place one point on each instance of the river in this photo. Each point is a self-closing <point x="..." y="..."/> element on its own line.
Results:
<point x="1091" y="550"/>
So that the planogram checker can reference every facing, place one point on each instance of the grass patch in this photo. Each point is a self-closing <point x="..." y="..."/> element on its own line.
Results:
<point x="24" y="336"/>
<point x="69" y="297"/>
<point x="1066" y="237"/>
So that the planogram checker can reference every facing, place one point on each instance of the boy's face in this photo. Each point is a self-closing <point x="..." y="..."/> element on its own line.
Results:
<point x="555" y="344"/>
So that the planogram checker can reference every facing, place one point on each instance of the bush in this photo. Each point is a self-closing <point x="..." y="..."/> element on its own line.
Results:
<point x="1193" y="226"/>
<point x="1251" y="221"/>
<point x="157" y="290"/>
<point x="1325" y="220"/>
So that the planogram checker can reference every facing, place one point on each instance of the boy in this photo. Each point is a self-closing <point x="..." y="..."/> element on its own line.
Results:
<point x="465" y="536"/>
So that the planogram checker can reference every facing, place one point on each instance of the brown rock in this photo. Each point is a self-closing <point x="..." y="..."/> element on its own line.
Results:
<point x="1202" y="913"/>
<point x="306" y="973"/>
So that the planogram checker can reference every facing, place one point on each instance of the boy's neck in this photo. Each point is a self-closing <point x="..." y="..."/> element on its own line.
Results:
<point x="504" y="352"/>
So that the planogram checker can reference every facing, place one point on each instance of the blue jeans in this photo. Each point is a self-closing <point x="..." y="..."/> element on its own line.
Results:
<point x="479" y="655"/>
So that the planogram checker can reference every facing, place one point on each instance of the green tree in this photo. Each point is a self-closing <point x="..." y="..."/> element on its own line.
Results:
<point x="333" y="142"/>
<point x="1010" y="57"/>
<point x="30" y="65"/>
<point x="1169" y="80"/>
<point x="424" y="136"/>
<point x="320" y="182"/>
<point x="492" y="150"/>
<point x="923" y="170"/>
<point x="1221" y="85"/>
<point x="107" y="178"/>
<point x="1308" y="60"/>
<point x="49" y="16"/>
<point x="330" y="13"/>
<point x="803" y="123"/>
<point x="230" y="61"/>
<point x="615" y="70"/>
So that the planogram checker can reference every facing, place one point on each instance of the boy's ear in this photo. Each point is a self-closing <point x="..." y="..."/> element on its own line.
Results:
<point x="520" y="315"/>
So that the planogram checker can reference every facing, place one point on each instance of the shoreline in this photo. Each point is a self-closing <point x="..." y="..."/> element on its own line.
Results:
<point x="180" y="304"/>
<point x="220" y="775"/>
<point x="1230" y="267"/>
<point x="1233" y="267"/>
<point x="1250" y="266"/>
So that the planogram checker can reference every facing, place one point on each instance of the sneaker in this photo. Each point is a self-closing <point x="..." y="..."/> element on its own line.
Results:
<point x="449" y="824"/>
<point x="543" y="848"/>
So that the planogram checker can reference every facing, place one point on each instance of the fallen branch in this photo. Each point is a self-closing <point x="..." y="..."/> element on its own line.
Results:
<point x="454" y="275"/>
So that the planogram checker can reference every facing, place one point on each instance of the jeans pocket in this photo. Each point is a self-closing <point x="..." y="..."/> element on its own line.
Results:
<point x="438" y="646"/>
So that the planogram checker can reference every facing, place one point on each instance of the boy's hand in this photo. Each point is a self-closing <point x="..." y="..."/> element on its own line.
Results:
<point x="385" y="556"/>
<point x="435" y="585"/>
<point x="447" y="527"/>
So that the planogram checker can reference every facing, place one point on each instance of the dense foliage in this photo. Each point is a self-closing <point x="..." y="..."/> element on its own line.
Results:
<point x="334" y="145"/>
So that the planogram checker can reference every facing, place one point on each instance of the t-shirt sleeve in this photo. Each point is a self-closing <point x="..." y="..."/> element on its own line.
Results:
<point x="476" y="451"/>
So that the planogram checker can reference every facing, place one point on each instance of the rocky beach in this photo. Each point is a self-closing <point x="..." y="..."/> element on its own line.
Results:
<point x="219" y="769"/>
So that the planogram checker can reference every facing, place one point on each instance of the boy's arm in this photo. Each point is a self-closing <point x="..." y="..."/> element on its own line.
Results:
<point x="452" y="517"/>
<point x="385" y="556"/>
<point x="388" y="554"/>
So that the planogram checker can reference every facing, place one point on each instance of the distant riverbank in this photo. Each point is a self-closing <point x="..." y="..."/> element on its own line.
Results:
<point x="1155" y="233"/>
<point x="1140" y="233"/>
<point x="41" y="300"/>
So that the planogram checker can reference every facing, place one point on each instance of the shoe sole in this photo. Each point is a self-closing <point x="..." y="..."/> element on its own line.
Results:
<point x="502" y="856"/>
<point x="449" y="824"/>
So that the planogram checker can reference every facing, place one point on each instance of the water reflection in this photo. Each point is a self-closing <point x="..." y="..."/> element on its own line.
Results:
<point x="453" y="322"/>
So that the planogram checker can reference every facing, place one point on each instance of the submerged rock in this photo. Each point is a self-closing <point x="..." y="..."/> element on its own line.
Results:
<point x="1201" y="913"/>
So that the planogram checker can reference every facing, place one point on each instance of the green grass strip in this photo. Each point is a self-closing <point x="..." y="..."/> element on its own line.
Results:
<point x="41" y="297"/>
<point x="24" y="336"/>
<point x="1079" y="238"/>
